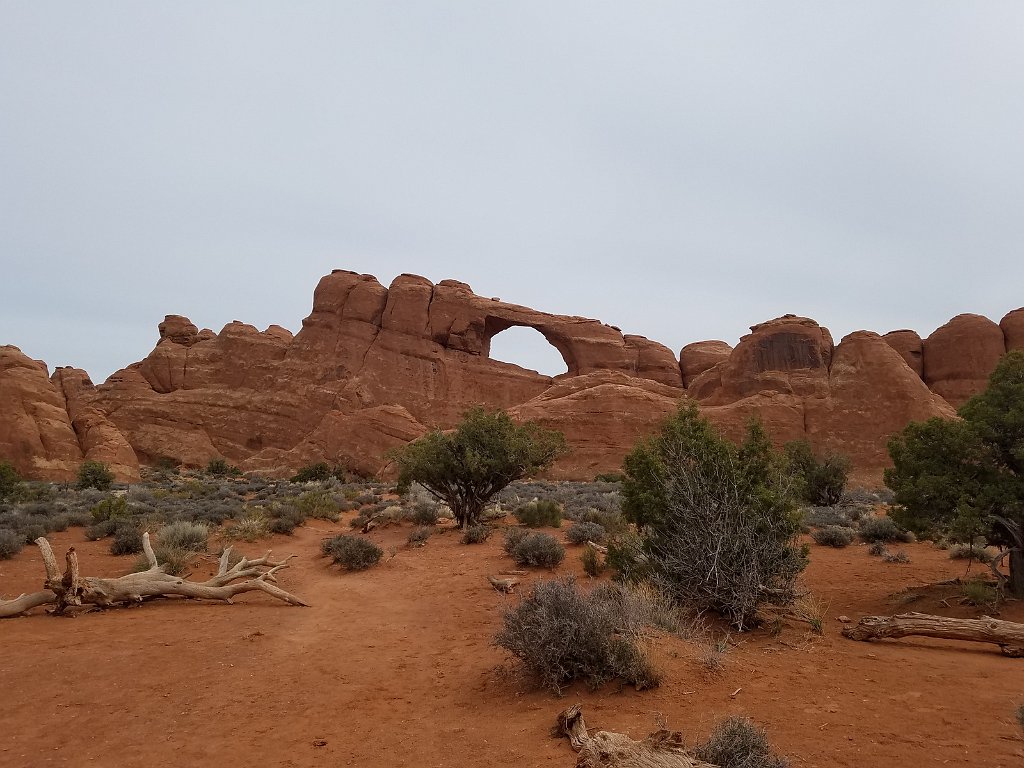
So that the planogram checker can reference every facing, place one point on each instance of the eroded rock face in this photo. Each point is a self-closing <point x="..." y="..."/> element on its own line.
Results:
<point x="961" y="355"/>
<point x="909" y="346"/>
<point x="36" y="435"/>
<point x="1012" y="326"/>
<point x="701" y="356"/>
<point x="375" y="367"/>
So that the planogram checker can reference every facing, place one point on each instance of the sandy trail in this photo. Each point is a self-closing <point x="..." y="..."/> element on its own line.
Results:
<point x="394" y="666"/>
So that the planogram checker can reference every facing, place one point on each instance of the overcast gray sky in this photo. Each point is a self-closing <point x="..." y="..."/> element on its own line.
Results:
<point x="681" y="170"/>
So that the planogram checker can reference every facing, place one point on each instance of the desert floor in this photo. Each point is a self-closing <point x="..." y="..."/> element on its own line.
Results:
<point x="394" y="666"/>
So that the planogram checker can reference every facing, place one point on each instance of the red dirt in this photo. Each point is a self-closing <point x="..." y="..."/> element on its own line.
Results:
<point x="394" y="666"/>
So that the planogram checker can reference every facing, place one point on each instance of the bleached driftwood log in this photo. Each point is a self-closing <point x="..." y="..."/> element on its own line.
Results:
<point x="662" y="749"/>
<point x="1008" y="635"/>
<point x="72" y="589"/>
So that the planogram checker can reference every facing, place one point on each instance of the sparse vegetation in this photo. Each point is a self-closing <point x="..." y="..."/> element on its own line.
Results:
<point x="95" y="474"/>
<point x="562" y="634"/>
<point x="318" y="504"/>
<point x="476" y="534"/>
<point x="899" y="556"/>
<point x="592" y="564"/>
<point x="183" y="535"/>
<point x="318" y="472"/>
<point x="418" y="536"/>
<point x="10" y="480"/>
<point x="127" y="540"/>
<point x="220" y="467"/>
<point x="467" y="467"/>
<point x="352" y="552"/>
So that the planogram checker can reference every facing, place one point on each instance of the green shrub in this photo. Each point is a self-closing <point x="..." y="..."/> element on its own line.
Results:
<point x="882" y="529"/>
<point x="476" y="534"/>
<point x="220" y="467"/>
<point x="95" y="474"/>
<point x="819" y="481"/>
<point x="738" y="743"/>
<point x="127" y="540"/>
<point x="183" y="535"/>
<point x="540" y="514"/>
<point x="538" y="549"/>
<point x="837" y="536"/>
<point x="174" y="561"/>
<point x="466" y="467"/>
<point x="581" y="533"/>
<point x="254" y="526"/>
<point x="562" y="634"/>
<point x="11" y="543"/>
<point x="592" y="564"/>
<point x="319" y="505"/>
<point x="352" y="552"/>
<point x="318" y="472"/>
<point x="10" y="480"/>
<point x="100" y="530"/>
<point x="609" y="477"/>
<point x="423" y="513"/>
<point x="718" y="520"/>
<point x="112" y="508"/>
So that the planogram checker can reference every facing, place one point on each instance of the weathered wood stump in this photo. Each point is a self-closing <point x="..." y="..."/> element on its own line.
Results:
<point x="1008" y="635"/>
<point x="662" y="749"/>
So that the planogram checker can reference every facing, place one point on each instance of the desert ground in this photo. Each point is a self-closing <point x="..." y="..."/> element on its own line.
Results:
<point x="395" y="666"/>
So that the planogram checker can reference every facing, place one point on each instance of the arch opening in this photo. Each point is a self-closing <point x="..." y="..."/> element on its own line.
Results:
<point x="528" y="348"/>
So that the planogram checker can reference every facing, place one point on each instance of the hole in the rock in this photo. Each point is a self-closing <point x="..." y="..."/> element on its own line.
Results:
<point x="527" y="348"/>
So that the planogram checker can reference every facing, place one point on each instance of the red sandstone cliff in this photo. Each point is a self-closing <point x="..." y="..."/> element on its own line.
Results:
<point x="374" y="367"/>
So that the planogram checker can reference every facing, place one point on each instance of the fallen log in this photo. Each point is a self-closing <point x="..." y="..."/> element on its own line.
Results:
<point x="1008" y="635"/>
<point x="662" y="749"/>
<point x="71" y="589"/>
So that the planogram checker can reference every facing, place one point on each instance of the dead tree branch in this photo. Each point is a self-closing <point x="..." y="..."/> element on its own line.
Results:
<point x="72" y="589"/>
<point x="1009" y="636"/>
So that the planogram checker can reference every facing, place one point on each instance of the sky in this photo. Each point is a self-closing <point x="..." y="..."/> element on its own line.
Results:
<point x="681" y="170"/>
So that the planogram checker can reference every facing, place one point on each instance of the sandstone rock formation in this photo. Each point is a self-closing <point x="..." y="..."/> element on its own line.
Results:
<point x="959" y="356"/>
<point x="374" y="367"/>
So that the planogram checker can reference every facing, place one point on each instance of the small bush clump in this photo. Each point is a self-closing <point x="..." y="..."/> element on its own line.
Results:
<point x="183" y="535"/>
<point x="252" y="527"/>
<point x="111" y="508"/>
<point x="418" y="536"/>
<point x="878" y="549"/>
<point x="582" y="532"/>
<point x="319" y="505"/>
<point x="221" y="468"/>
<point x="540" y="514"/>
<point x="899" y="556"/>
<point x="738" y="743"/>
<point x="95" y="474"/>
<point x="10" y="480"/>
<point x="127" y="540"/>
<point x="968" y="552"/>
<point x="562" y="634"/>
<point x="882" y="529"/>
<point x="538" y="549"/>
<point x="318" y="472"/>
<point x="101" y="530"/>
<point x="833" y="536"/>
<point x="476" y="534"/>
<point x="592" y="564"/>
<point x="352" y="552"/>
<point x="423" y="513"/>
<point x="11" y="543"/>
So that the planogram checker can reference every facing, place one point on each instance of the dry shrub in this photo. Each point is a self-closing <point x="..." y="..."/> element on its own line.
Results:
<point x="352" y="552"/>
<point x="562" y="634"/>
<point x="537" y="549"/>
<point x="837" y="536"/>
<point x="582" y="532"/>
<point x="476" y="534"/>
<point x="11" y="543"/>
<point x="418" y="536"/>
<point x="737" y="742"/>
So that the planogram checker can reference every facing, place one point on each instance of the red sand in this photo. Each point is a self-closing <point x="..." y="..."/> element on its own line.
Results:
<point x="394" y="666"/>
